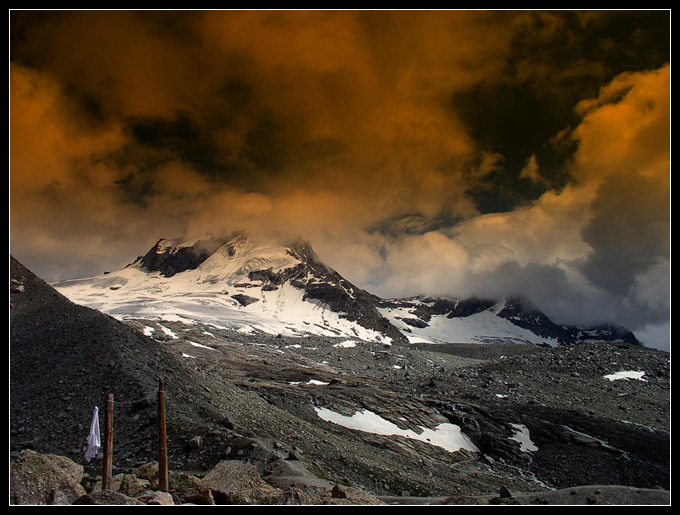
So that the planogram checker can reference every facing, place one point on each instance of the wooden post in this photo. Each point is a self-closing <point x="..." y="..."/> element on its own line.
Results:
<point x="108" y="443"/>
<point x="162" y="442"/>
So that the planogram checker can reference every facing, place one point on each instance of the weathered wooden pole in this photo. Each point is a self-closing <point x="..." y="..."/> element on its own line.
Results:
<point x="162" y="440"/>
<point x="108" y="443"/>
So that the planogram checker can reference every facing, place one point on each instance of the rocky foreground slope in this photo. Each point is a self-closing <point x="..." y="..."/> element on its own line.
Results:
<point x="318" y="412"/>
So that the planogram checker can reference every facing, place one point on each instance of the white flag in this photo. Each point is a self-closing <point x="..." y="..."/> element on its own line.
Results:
<point x="93" y="439"/>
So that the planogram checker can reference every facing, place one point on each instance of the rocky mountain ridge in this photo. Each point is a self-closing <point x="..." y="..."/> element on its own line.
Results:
<point x="256" y="282"/>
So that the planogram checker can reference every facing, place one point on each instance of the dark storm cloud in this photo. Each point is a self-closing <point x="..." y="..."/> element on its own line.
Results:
<point x="628" y="232"/>
<point x="420" y="152"/>
<point x="182" y="138"/>
<point x="556" y="59"/>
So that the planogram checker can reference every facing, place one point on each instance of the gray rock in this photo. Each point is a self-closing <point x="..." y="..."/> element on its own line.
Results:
<point x="39" y="479"/>
<point x="157" y="499"/>
<point x="132" y="485"/>
<point x="107" y="498"/>
<point x="200" y="495"/>
<point x="196" y="443"/>
<point x="338" y="492"/>
<point x="237" y="482"/>
<point x="504" y="492"/>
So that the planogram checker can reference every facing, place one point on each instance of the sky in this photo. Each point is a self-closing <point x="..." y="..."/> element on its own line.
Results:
<point x="449" y="153"/>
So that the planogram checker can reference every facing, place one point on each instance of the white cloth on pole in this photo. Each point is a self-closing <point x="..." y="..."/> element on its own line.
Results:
<point x="93" y="439"/>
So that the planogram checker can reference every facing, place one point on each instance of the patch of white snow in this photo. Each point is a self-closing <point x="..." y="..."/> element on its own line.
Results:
<point x="522" y="436"/>
<point x="626" y="374"/>
<point x="447" y="436"/>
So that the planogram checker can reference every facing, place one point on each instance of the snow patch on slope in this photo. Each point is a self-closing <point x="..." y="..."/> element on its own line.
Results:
<point x="626" y="374"/>
<point x="447" y="436"/>
<point x="522" y="436"/>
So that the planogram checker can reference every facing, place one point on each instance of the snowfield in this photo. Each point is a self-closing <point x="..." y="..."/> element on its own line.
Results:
<point x="206" y="295"/>
<point x="483" y="327"/>
<point x="254" y="286"/>
<point x="446" y="436"/>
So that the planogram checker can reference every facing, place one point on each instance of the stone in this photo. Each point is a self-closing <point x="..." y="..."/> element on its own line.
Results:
<point x="180" y="483"/>
<point x="196" y="443"/>
<point x="504" y="492"/>
<point x="322" y="496"/>
<point x="106" y="498"/>
<point x="70" y="467"/>
<point x="200" y="495"/>
<point x="237" y="482"/>
<point x="38" y="479"/>
<point x="338" y="492"/>
<point x="157" y="499"/>
<point x="148" y="471"/>
<point x="132" y="485"/>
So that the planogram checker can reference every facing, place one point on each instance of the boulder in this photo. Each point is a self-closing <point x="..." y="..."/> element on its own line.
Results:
<point x="181" y="483"/>
<point x="238" y="482"/>
<point x="115" y="483"/>
<point x="107" y="498"/>
<point x="157" y="499"/>
<point x="148" y="471"/>
<point x="323" y="496"/>
<point x="504" y="492"/>
<point x="132" y="485"/>
<point x="195" y="443"/>
<point x="200" y="495"/>
<point x="70" y="467"/>
<point x="40" y="479"/>
<point x="338" y="492"/>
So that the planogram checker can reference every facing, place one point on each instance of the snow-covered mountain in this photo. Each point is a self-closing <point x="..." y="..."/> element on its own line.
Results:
<point x="253" y="285"/>
<point x="510" y="320"/>
<point x="237" y="283"/>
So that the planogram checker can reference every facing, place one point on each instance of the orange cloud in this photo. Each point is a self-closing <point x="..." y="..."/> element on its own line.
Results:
<point x="626" y="130"/>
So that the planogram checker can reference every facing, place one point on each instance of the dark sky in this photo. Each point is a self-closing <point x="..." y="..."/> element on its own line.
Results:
<point x="448" y="152"/>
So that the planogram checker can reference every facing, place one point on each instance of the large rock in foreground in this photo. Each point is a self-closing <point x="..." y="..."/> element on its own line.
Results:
<point x="43" y="479"/>
<point x="107" y="498"/>
<point x="238" y="482"/>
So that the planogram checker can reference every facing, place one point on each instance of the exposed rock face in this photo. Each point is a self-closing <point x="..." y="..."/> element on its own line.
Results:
<point x="244" y="300"/>
<point x="523" y="315"/>
<point x="40" y="479"/>
<point x="169" y="259"/>
<point x="518" y="311"/>
<point x="329" y="287"/>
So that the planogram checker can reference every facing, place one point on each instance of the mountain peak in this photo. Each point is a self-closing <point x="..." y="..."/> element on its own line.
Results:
<point x="241" y="282"/>
<point x="285" y="288"/>
<point x="170" y="257"/>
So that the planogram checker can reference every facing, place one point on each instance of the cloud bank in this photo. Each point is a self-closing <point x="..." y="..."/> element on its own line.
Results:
<point x="437" y="153"/>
